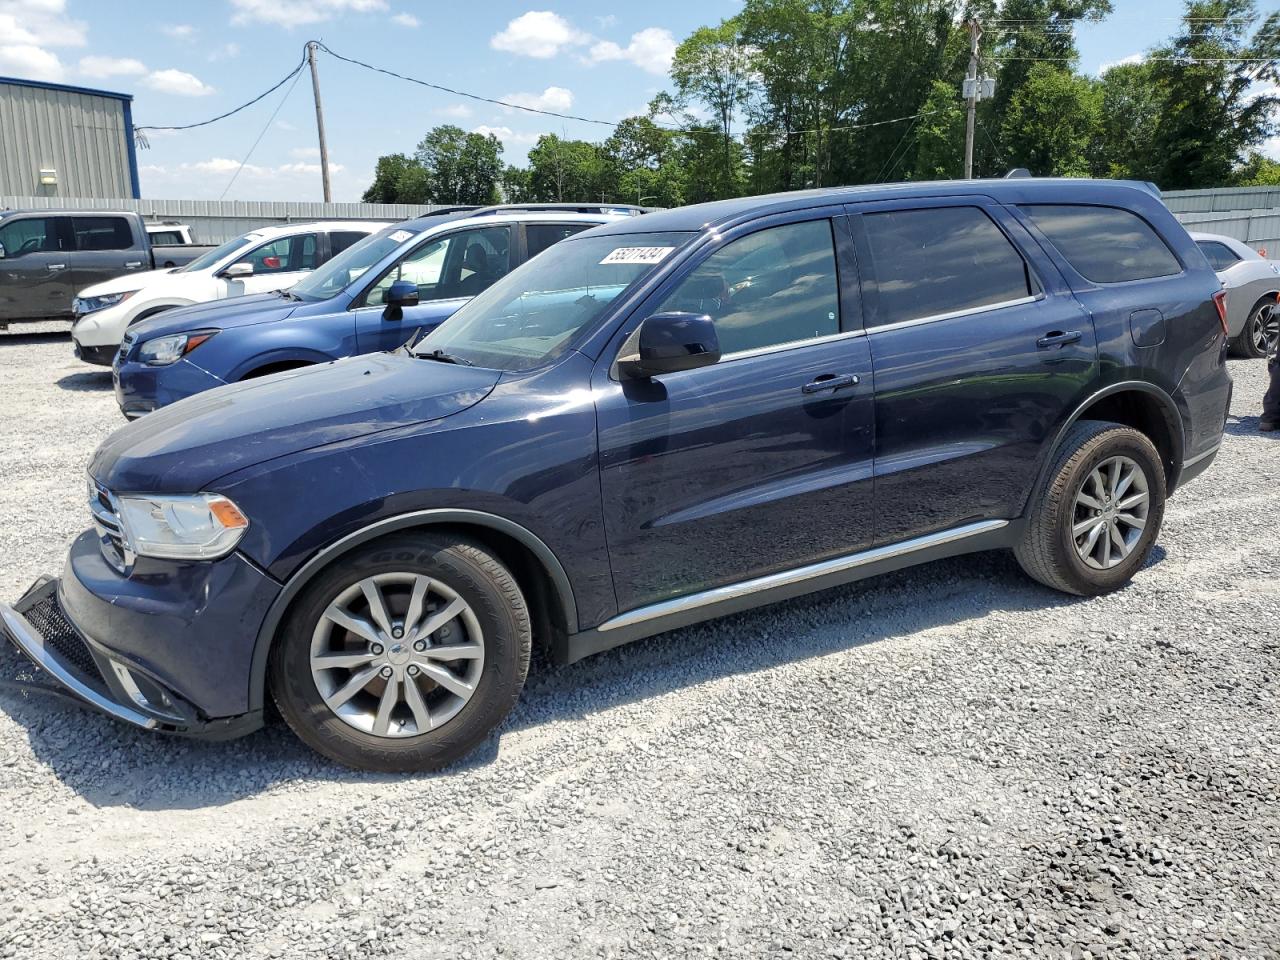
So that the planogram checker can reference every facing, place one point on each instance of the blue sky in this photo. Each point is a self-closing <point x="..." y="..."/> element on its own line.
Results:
<point x="188" y="61"/>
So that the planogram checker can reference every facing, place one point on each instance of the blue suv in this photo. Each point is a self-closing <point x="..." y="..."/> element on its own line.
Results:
<point x="663" y="420"/>
<point x="383" y="291"/>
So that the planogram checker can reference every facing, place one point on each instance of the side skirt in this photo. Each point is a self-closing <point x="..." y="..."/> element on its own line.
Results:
<point x="771" y="588"/>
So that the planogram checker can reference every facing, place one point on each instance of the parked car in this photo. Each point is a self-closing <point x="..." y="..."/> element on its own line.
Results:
<point x="46" y="255"/>
<point x="169" y="233"/>
<point x="1252" y="284"/>
<point x="659" y="421"/>
<point x="377" y="295"/>
<point x="272" y="258"/>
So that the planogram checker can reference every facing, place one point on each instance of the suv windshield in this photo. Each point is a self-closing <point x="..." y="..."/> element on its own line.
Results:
<point x="533" y="313"/>
<point x="207" y="260"/>
<point x="334" y="276"/>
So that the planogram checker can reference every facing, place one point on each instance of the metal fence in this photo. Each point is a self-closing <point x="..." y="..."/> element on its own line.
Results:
<point x="216" y="221"/>
<point x="1249" y="214"/>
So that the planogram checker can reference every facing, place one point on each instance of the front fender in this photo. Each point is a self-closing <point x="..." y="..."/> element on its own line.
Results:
<point x="269" y="358"/>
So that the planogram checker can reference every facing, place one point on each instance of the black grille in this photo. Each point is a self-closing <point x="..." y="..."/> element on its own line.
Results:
<point x="61" y="638"/>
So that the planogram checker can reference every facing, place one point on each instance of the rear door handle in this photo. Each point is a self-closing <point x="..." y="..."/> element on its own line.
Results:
<point x="1059" y="339"/>
<point x="57" y="266"/>
<point x="830" y="381"/>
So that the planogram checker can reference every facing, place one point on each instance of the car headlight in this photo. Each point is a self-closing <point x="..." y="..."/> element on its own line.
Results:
<point x="203" y="526"/>
<point x="83" y="305"/>
<point x="166" y="350"/>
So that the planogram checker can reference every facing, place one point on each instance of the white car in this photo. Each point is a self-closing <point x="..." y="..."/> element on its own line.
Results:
<point x="1252" y="284"/>
<point x="262" y="261"/>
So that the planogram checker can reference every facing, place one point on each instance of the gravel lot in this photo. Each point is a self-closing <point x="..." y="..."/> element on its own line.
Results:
<point x="946" y="762"/>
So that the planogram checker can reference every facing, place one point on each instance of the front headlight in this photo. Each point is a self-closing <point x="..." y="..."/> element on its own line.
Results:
<point x="204" y="526"/>
<point x="165" y="350"/>
<point x="83" y="305"/>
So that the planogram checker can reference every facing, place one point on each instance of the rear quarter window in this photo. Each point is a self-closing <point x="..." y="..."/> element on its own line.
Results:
<point x="1219" y="255"/>
<point x="1105" y="244"/>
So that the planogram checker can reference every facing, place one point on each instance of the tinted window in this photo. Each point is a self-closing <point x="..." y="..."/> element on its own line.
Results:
<point x="1220" y="256"/>
<point x="539" y="236"/>
<point x="29" y="235"/>
<point x="162" y="238"/>
<point x="339" y="240"/>
<point x="944" y="260"/>
<point x="102" y="233"/>
<point x="775" y="286"/>
<point x="460" y="265"/>
<point x="1105" y="244"/>
<point x="304" y="253"/>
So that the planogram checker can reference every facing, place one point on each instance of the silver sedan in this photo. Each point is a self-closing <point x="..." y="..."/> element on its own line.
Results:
<point x="1252" y="284"/>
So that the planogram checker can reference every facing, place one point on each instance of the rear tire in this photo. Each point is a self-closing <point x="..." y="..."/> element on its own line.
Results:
<point x="1063" y="545"/>
<point x="370" y="687"/>
<point x="1259" y="331"/>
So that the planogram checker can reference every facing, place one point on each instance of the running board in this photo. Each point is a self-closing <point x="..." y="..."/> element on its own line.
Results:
<point x="681" y="611"/>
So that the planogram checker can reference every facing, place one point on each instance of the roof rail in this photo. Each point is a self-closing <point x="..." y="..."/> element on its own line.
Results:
<point x="1018" y="173"/>
<point x="630" y="209"/>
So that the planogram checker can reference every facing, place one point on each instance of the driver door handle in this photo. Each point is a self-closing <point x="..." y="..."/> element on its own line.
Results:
<point x="57" y="266"/>
<point x="830" y="381"/>
<point x="1058" y="338"/>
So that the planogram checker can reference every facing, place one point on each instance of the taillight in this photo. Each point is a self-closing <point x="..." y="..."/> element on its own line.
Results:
<point x="1220" y="301"/>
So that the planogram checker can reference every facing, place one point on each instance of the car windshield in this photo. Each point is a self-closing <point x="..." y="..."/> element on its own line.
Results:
<point x="350" y="264"/>
<point x="207" y="260"/>
<point x="534" y="313"/>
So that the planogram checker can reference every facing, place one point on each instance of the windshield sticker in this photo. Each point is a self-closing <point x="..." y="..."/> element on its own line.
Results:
<point x="400" y="236"/>
<point x="637" y="255"/>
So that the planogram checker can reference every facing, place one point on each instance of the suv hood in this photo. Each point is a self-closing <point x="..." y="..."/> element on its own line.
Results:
<point x="184" y="447"/>
<point x="127" y="282"/>
<point x="216" y="315"/>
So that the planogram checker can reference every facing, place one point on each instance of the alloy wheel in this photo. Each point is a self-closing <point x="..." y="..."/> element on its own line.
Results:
<point x="1265" y="328"/>
<point x="397" y="654"/>
<point x="1111" y="508"/>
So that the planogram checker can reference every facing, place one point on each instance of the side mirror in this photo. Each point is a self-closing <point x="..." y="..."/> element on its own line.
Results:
<point x="670" y="342"/>
<point x="242" y="269"/>
<point x="403" y="293"/>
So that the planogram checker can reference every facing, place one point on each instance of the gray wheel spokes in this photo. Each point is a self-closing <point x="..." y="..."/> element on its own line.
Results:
<point x="1110" y="512"/>
<point x="397" y="655"/>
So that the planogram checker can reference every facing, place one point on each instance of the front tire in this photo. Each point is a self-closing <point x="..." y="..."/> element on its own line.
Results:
<point x="1091" y="528"/>
<point x="1260" y="331"/>
<point x="404" y="655"/>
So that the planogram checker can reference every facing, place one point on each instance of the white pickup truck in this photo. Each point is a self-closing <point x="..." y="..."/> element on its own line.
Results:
<point x="272" y="258"/>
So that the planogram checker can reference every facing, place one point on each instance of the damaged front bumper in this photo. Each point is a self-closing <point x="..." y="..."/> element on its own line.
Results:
<point x="39" y="627"/>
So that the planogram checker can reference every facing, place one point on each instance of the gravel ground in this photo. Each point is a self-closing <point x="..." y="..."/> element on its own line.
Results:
<point x="945" y="762"/>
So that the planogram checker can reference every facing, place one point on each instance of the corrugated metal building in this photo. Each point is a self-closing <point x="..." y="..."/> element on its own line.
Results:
<point x="60" y="141"/>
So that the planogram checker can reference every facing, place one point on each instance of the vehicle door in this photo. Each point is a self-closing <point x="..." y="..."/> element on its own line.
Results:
<point x="36" y="280"/>
<point x="761" y="462"/>
<point x="448" y="270"/>
<point x="277" y="265"/>
<point x="106" y="248"/>
<point x="979" y="350"/>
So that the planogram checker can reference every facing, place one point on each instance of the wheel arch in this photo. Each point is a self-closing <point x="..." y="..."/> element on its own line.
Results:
<point x="1134" y="403"/>
<point x="152" y="309"/>
<point x="535" y="567"/>
<point x="277" y="360"/>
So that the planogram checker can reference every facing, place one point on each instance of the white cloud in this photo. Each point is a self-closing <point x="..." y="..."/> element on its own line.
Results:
<point x="406" y="20"/>
<point x="30" y="62"/>
<point x="218" y="166"/>
<point x="179" y="31"/>
<point x="506" y="134"/>
<point x="1122" y="62"/>
<point x="459" y="110"/>
<point x="538" y="33"/>
<point x="1271" y="147"/>
<point x="607" y="21"/>
<point x="177" y="82"/>
<point x="228" y="51"/>
<point x="295" y="13"/>
<point x="305" y="153"/>
<point x="651" y="49"/>
<point x="557" y="99"/>
<point x="100" y="67"/>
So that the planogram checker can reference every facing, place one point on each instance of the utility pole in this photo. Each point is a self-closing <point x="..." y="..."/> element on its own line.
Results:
<point x="324" y="147"/>
<point x="975" y="31"/>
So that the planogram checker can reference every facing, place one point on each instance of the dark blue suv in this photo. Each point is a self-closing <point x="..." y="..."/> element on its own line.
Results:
<point x="660" y="421"/>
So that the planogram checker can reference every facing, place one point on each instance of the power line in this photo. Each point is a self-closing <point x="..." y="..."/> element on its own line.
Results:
<point x="222" y="116"/>
<point x="297" y="74"/>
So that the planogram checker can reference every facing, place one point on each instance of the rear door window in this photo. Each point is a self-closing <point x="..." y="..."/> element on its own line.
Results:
<point x="943" y="260"/>
<point x="1105" y="244"/>
<point x="339" y="240"/>
<point x="539" y="236"/>
<point x="102" y="233"/>
<point x="772" y="287"/>
<point x="1219" y="255"/>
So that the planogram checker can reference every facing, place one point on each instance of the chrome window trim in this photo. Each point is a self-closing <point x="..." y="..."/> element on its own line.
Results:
<point x="955" y="314"/>
<point x="789" y="345"/>
<point x="784" y="578"/>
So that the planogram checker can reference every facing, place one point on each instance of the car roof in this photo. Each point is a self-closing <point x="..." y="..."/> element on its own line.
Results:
<point x="430" y="223"/>
<point x="723" y="213"/>
<point x="328" y="226"/>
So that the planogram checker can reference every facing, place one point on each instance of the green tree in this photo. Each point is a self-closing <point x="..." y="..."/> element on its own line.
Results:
<point x="713" y="69"/>
<point x="1051" y="122"/>
<point x="398" y="179"/>
<point x="1129" y="115"/>
<point x="571" y="170"/>
<point x="461" y="167"/>
<point x="1258" y="171"/>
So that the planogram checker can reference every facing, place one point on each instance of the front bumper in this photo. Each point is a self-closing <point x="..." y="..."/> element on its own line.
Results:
<point x="102" y="356"/>
<point x="141" y="388"/>
<point x="162" y="650"/>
